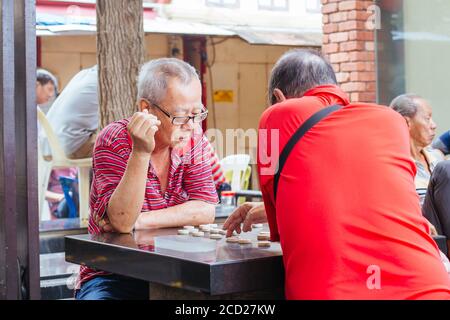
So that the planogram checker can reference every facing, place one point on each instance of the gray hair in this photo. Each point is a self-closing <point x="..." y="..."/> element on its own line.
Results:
<point x="155" y="74"/>
<point x="298" y="71"/>
<point x="406" y="104"/>
<point x="43" y="77"/>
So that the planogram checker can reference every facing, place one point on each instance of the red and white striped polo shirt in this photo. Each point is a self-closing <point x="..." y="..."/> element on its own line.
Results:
<point x="190" y="178"/>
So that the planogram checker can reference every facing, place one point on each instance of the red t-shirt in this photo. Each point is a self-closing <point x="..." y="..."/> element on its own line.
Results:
<point x="190" y="178"/>
<point x="347" y="214"/>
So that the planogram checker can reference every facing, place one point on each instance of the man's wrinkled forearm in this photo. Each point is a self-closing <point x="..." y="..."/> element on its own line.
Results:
<point x="189" y="213"/>
<point x="127" y="200"/>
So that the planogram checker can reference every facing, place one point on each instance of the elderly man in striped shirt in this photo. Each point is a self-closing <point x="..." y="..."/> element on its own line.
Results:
<point x="150" y="171"/>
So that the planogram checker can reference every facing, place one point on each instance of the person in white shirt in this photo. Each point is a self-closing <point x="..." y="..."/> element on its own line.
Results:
<point x="74" y="116"/>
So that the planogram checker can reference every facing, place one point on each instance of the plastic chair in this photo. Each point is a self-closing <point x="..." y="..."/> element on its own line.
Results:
<point x="244" y="182"/>
<point x="60" y="160"/>
<point x="235" y="169"/>
<point x="244" y="178"/>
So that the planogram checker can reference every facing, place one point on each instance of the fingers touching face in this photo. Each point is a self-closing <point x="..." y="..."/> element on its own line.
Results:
<point x="181" y="100"/>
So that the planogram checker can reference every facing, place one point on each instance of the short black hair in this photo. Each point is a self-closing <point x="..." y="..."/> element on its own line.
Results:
<point x="298" y="71"/>
<point x="44" y="77"/>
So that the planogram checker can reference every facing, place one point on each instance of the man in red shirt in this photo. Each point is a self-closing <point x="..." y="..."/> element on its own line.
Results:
<point x="346" y="211"/>
<point x="152" y="170"/>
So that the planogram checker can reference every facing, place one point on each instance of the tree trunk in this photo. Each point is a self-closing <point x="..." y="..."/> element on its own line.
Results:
<point x="120" y="53"/>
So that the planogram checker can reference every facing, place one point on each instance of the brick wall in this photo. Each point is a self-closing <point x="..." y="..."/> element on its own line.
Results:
<point x="348" y="43"/>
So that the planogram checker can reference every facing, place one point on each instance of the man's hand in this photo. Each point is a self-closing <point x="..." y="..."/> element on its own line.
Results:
<point x="104" y="223"/>
<point x="433" y="231"/>
<point x="248" y="214"/>
<point x="142" y="129"/>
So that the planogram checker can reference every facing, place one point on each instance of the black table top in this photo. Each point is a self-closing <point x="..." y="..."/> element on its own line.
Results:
<point x="197" y="264"/>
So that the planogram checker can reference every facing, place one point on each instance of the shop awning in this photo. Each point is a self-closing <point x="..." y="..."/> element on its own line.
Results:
<point x="62" y="19"/>
<point x="165" y="26"/>
<point x="56" y="19"/>
<point x="282" y="37"/>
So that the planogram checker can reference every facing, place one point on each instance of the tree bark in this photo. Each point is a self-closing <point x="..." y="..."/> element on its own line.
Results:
<point x="120" y="53"/>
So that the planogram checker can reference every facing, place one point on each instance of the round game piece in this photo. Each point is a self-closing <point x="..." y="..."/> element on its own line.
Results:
<point x="245" y="241"/>
<point x="222" y="232"/>
<point x="214" y="231"/>
<point x="189" y="227"/>
<point x="183" y="232"/>
<point x="264" y="232"/>
<point x="257" y="225"/>
<point x="205" y="228"/>
<point x="263" y="237"/>
<point x="191" y="231"/>
<point x="215" y="236"/>
<point x="213" y="225"/>
<point x="263" y="244"/>
<point x="233" y="240"/>
<point x="198" y="234"/>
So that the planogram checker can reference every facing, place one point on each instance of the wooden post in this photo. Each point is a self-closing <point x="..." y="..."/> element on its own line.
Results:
<point x="26" y="148"/>
<point x="19" y="217"/>
<point x="120" y="53"/>
<point x="8" y="242"/>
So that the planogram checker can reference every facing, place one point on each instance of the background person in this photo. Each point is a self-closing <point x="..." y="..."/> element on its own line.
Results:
<point x="443" y="143"/>
<point x="432" y="179"/>
<point x="74" y="116"/>
<point x="46" y="86"/>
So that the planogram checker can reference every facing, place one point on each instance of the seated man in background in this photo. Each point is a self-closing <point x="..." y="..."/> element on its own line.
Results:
<point x="357" y="191"/>
<point x="432" y="179"/>
<point x="150" y="170"/>
<point x="74" y="116"/>
<point x="46" y="86"/>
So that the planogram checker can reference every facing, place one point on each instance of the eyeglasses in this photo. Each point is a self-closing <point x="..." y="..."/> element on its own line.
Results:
<point x="179" y="121"/>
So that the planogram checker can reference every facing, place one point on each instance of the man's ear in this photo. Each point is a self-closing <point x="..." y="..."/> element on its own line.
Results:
<point x="279" y="95"/>
<point x="142" y="104"/>
<point x="408" y="121"/>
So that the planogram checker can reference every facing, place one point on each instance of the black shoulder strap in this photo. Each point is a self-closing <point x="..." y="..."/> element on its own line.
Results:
<point x="304" y="128"/>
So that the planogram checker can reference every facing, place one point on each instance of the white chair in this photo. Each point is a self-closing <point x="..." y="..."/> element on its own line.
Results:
<point x="237" y="164"/>
<point x="60" y="160"/>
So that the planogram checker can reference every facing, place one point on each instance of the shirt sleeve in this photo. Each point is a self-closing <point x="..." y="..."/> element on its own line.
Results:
<point x="198" y="181"/>
<point x="109" y="168"/>
<point x="110" y="160"/>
